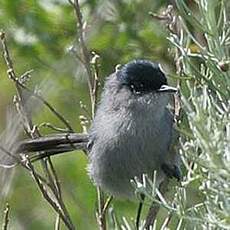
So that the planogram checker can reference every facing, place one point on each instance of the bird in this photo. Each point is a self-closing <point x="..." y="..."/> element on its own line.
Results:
<point x="133" y="131"/>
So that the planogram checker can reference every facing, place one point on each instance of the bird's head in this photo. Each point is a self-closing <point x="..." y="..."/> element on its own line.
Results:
<point x="143" y="76"/>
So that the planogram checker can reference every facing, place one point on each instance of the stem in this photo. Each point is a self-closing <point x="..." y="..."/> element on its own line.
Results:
<point x="6" y="217"/>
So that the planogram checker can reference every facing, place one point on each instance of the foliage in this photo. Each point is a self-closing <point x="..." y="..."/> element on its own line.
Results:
<point x="42" y="36"/>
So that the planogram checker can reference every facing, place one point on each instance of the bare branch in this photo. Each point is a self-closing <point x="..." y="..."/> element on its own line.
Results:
<point x="51" y="201"/>
<point x="6" y="217"/>
<point x="51" y="126"/>
<point x="85" y="52"/>
<point x="92" y="79"/>
<point x="57" y="223"/>
<point x="154" y="209"/>
<point x="51" y="108"/>
<point x="53" y="184"/>
<point x="19" y="86"/>
<point x="101" y="220"/>
<point x="95" y="64"/>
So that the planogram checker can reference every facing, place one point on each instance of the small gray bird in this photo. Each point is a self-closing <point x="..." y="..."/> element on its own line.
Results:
<point x="132" y="133"/>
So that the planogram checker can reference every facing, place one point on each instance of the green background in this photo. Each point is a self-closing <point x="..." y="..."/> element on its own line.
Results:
<point x="40" y="36"/>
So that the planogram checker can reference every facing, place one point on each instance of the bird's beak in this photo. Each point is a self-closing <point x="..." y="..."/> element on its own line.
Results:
<point x="167" y="88"/>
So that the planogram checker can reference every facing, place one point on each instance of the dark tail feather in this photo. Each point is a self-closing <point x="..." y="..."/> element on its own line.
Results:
<point x="52" y="145"/>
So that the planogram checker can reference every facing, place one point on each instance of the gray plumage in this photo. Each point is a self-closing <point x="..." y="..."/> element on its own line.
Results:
<point x="132" y="133"/>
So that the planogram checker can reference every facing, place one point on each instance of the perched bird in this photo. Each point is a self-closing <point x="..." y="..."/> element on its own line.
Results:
<point x="132" y="133"/>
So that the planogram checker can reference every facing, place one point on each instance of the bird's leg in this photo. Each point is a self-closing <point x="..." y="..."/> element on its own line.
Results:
<point x="139" y="210"/>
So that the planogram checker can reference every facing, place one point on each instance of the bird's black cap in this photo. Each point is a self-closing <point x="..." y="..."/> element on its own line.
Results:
<point x="142" y="76"/>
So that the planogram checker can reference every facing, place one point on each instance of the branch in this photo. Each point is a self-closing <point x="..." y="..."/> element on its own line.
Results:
<point x="92" y="78"/>
<point x="85" y="52"/>
<point x="155" y="207"/>
<point x="32" y="131"/>
<point x="6" y="217"/>
<point x="56" y="206"/>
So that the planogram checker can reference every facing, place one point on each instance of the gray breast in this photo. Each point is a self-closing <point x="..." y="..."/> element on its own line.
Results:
<point x="131" y="138"/>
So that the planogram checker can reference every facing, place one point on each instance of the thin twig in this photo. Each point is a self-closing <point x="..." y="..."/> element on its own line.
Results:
<point x="53" y="184"/>
<point x="106" y="205"/>
<point x="25" y="76"/>
<point x="57" y="223"/>
<point x="23" y="164"/>
<point x="6" y="217"/>
<point x="167" y="221"/>
<point x="17" y="159"/>
<point x="92" y="79"/>
<point x="71" y="3"/>
<point x="101" y="220"/>
<point x="58" y="186"/>
<point x="85" y="52"/>
<point x="86" y="111"/>
<point x="19" y="86"/>
<point x="46" y="103"/>
<point x="49" y="125"/>
<point x="12" y="75"/>
<point x="51" y="201"/>
<point x="95" y="64"/>
<point x="139" y="210"/>
<point x="155" y="207"/>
